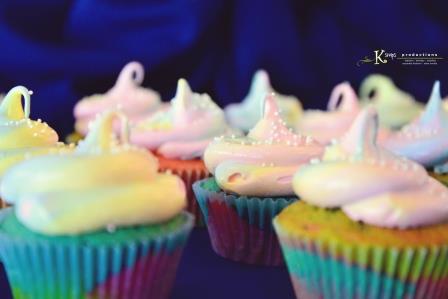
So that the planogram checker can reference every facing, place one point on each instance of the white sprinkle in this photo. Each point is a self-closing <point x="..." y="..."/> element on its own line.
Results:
<point x="111" y="228"/>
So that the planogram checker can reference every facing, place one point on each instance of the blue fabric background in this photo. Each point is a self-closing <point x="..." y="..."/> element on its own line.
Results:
<point x="65" y="49"/>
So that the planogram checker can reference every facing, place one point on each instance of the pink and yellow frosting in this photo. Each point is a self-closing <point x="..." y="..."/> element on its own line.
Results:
<point x="370" y="184"/>
<point x="263" y="162"/>
<point x="105" y="182"/>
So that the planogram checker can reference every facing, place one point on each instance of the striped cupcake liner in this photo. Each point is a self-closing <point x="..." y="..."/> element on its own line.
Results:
<point x="240" y="228"/>
<point x="189" y="176"/>
<point x="329" y="269"/>
<point x="144" y="268"/>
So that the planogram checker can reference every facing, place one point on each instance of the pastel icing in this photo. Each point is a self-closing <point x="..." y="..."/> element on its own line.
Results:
<point x="246" y="114"/>
<point x="371" y="184"/>
<point x="127" y="96"/>
<point x="395" y="107"/>
<point x="20" y="137"/>
<point x="263" y="162"/>
<point x="424" y="140"/>
<point x="184" y="129"/>
<point x="104" y="183"/>
<point x="331" y="124"/>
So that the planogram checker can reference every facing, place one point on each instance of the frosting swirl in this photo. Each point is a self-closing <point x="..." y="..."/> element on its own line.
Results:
<point x="327" y="125"/>
<point x="127" y="96"/>
<point x="246" y="114"/>
<point x="21" y="137"/>
<point x="185" y="129"/>
<point x="261" y="164"/>
<point x="425" y="140"/>
<point x="371" y="184"/>
<point x="395" y="107"/>
<point x="105" y="182"/>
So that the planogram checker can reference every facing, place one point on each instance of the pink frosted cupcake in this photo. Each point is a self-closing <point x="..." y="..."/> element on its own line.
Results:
<point x="179" y="135"/>
<point x="127" y="95"/>
<point x="251" y="184"/>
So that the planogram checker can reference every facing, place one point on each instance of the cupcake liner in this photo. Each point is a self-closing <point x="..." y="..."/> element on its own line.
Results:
<point x="240" y="227"/>
<point x="144" y="268"/>
<point x="189" y="172"/>
<point x="330" y="269"/>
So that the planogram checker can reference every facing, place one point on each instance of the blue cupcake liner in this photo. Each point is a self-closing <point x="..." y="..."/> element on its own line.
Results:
<point x="141" y="268"/>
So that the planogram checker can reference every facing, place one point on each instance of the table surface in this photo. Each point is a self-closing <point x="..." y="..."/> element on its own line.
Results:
<point x="203" y="274"/>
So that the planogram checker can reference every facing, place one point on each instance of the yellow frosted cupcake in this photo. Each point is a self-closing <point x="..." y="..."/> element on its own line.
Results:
<point x="370" y="224"/>
<point x="22" y="138"/>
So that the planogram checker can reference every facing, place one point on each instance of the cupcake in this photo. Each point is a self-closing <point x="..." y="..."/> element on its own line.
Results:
<point x="127" y="95"/>
<point x="327" y="125"/>
<point x="21" y="137"/>
<point x="251" y="184"/>
<point x="246" y="114"/>
<point x="395" y="107"/>
<point x="179" y="135"/>
<point x="425" y="139"/>
<point x="370" y="224"/>
<point x="98" y="223"/>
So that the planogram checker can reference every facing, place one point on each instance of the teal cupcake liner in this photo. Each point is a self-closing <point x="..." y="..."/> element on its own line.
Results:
<point x="331" y="270"/>
<point x="142" y="267"/>
<point x="240" y="227"/>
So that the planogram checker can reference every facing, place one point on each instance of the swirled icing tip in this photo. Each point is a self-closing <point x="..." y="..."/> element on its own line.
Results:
<point x="11" y="106"/>
<point x="374" y="82"/>
<point x="272" y="128"/>
<point x="434" y="106"/>
<point x="132" y="73"/>
<point x="343" y="97"/>
<point x="362" y="135"/>
<point x="260" y="85"/>
<point x="102" y="136"/>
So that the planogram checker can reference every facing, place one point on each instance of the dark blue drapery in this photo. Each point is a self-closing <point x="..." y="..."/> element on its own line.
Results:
<point x="64" y="49"/>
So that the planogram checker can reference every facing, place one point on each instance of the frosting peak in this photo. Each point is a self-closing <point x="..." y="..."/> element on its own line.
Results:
<point x="11" y="107"/>
<point x="104" y="182"/>
<point x="102" y="137"/>
<point x="126" y="95"/>
<point x="424" y="140"/>
<point x="370" y="184"/>
<point x="343" y="98"/>
<point x="272" y="128"/>
<point x="246" y="114"/>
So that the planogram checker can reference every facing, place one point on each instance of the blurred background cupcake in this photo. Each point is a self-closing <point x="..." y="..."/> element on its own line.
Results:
<point x="126" y="95"/>
<point x="132" y="232"/>
<point x="425" y="139"/>
<point x="22" y="138"/>
<point x="246" y="114"/>
<point x="179" y="135"/>
<point x="251" y="184"/>
<point x="369" y="224"/>
<point x="395" y="107"/>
